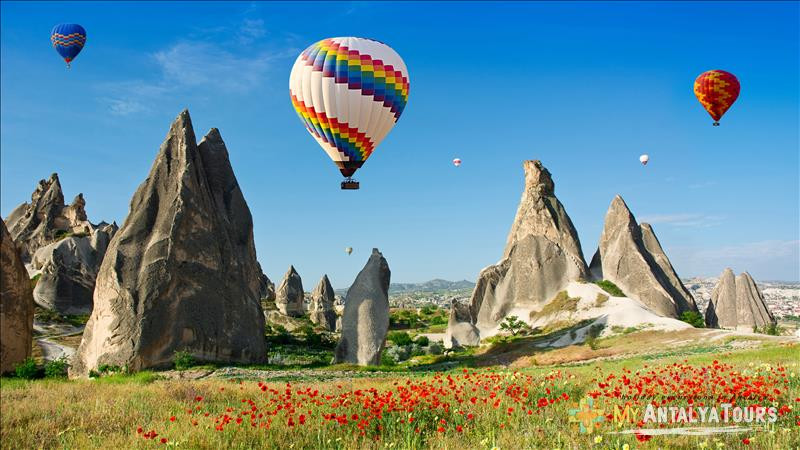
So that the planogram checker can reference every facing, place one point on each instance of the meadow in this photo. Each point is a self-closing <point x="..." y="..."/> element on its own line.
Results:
<point x="469" y="403"/>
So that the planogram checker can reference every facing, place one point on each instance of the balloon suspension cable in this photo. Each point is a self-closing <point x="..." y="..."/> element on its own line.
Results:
<point x="349" y="184"/>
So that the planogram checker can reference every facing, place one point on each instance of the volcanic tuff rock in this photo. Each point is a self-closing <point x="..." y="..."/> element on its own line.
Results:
<point x="289" y="296"/>
<point x="365" y="321"/>
<point x="631" y="257"/>
<point x="67" y="271"/>
<point x="321" y="309"/>
<point x="460" y="329"/>
<point x="16" y="304"/>
<point x="38" y="223"/>
<point x="542" y="254"/>
<point x="266" y="288"/>
<point x="737" y="303"/>
<point x="181" y="273"/>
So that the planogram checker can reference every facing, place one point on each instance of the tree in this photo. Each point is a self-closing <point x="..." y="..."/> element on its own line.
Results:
<point x="513" y="325"/>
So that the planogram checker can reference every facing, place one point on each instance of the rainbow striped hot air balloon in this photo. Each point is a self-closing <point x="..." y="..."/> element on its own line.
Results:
<point x="349" y="92"/>
<point x="68" y="39"/>
<point x="716" y="90"/>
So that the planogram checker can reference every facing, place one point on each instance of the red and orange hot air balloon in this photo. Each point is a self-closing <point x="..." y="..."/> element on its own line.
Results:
<point x="716" y="90"/>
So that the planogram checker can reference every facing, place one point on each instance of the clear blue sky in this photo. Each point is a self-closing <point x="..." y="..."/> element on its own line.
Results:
<point x="584" y="87"/>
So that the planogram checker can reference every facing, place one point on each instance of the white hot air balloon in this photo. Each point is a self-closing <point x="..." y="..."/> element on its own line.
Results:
<point x="348" y="250"/>
<point x="643" y="159"/>
<point x="349" y="92"/>
<point x="457" y="162"/>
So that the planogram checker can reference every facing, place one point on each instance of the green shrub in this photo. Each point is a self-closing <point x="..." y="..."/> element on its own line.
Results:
<point x="56" y="368"/>
<point x="437" y="320"/>
<point x="422" y="341"/>
<point x="513" y="325"/>
<point x="35" y="280"/>
<point x="592" y="335"/>
<point x="600" y="300"/>
<point x="772" y="329"/>
<point x="561" y="302"/>
<point x="434" y="348"/>
<point x="693" y="318"/>
<point x="107" y="369"/>
<point x="399" y="338"/>
<point x="429" y="310"/>
<point x="26" y="369"/>
<point x="183" y="360"/>
<point x="610" y="287"/>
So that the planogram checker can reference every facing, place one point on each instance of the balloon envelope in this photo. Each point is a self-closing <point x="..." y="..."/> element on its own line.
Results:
<point x="348" y="250"/>
<point x="716" y="90"/>
<point x="349" y="92"/>
<point x="68" y="39"/>
<point x="457" y="162"/>
<point x="644" y="159"/>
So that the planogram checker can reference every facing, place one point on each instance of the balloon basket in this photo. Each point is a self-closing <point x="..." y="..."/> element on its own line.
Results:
<point x="716" y="124"/>
<point x="349" y="184"/>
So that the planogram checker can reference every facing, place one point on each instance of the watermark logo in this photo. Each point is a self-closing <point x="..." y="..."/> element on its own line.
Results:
<point x="586" y="416"/>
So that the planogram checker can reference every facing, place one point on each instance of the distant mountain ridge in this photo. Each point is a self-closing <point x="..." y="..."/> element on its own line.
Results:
<point x="430" y="286"/>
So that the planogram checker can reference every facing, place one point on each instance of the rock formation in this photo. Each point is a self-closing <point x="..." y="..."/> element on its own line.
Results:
<point x="542" y="254"/>
<point x="460" y="329"/>
<point x="16" y="305"/>
<point x="181" y="273"/>
<point x="321" y="310"/>
<point x="63" y="248"/>
<point x="737" y="303"/>
<point x="289" y="296"/>
<point x="266" y="288"/>
<point x="365" y="321"/>
<point x="67" y="271"/>
<point x="46" y="218"/>
<point x="631" y="257"/>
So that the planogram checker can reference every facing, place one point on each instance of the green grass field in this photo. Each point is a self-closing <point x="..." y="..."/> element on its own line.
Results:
<point x="475" y="404"/>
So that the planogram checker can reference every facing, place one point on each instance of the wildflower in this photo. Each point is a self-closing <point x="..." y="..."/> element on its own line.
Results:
<point x="746" y="441"/>
<point x="172" y="419"/>
<point x="163" y="440"/>
<point x="598" y="439"/>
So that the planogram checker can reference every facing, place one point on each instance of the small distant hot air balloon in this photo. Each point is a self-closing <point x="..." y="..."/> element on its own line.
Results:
<point x="349" y="92"/>
<point x="348" y="250"/>
<point x="643" y="159"/>
<point x="457" y="162"/>
<point x="68" y="39"/>
<point x="716" y="90"/>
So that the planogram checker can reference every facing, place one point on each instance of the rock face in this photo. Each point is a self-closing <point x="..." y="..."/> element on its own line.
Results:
<point x="542" y="255"/>
<point x="62" y="247"/>
<point x="321" y="310"/>
<point x="289" y="296"/>
<point x="631" y="257"/>
<point x="16" y="305"/>
<point x="181" y="273"/>
<point x="460" y="329"/>
<point x="266" y="288"/>
<point x="38" y="223"/>
<point x="737" y="303"/>
<point x="67" y="271"/>
<point x="365" y="321"/>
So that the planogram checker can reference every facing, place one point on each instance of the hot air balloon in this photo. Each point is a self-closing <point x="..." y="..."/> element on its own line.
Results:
<point x="68" y="39"/>
<point x="348" y="250"/>
<point x="643" y="159"/>
<point x="457" y="162"/>
<point x="716" y="90"/>
<point x="349" y="92"/>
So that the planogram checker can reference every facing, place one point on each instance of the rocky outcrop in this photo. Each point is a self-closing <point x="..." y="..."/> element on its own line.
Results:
<point x="631" y="257"/>
<point x="181" y="273"/>
<point x="460" y="329"/>
<point x="67" y="270"/>
<point x="16" y="305"/>
<point x="365" y="321"/>
<point x="266" y="288"/>
<point x="289" y="298"/>
<point x="321" y="310"/>
<point x="542" y="254"/>
<point x="46" y="218"/>
<point x="737" y="303"/>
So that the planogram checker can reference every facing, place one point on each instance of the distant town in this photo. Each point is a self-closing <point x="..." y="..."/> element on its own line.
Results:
<point x="782" y="297"/>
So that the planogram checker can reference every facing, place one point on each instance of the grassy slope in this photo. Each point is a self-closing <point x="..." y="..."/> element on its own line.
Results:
<point x="106" y="412"/>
